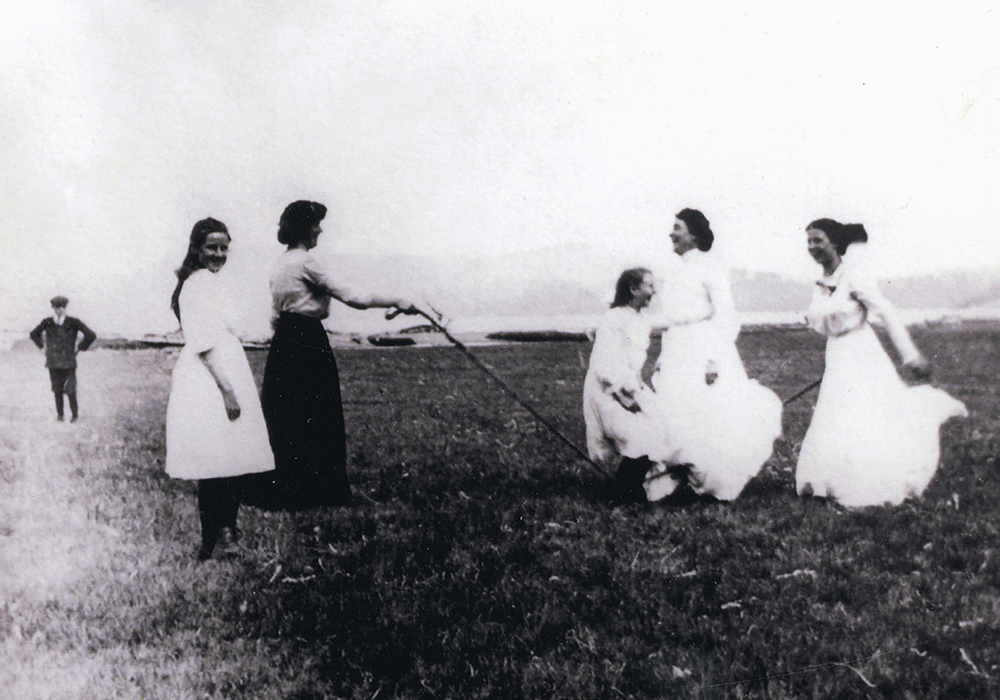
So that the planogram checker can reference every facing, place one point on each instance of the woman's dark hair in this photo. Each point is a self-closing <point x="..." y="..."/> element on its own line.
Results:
<point x="298" y="220"/>
<point x="629" y="280"/>
<point x="698" y="227"/>
<point x="840" y="235"/>
<point x="192" y="261"/>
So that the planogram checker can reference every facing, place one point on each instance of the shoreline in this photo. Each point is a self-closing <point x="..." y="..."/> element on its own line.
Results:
<point x="472" y="338"/>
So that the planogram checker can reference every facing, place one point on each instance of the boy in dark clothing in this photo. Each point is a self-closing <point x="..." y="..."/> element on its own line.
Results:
<point x="57" y="335"/>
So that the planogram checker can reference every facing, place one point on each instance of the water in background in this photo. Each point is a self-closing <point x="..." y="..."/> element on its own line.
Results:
<point x="577" y="323"/>
<point x="473" y="326"/>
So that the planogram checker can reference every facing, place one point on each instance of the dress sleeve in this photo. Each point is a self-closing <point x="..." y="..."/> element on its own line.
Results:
<point x="609" y="360"/>
<point x="864" y="289"/>
<point x="317" y="276"/>
<point x="679" y="314"/>
<point x="720" y="295"/>
<point x="202" y="317"/>
<point x="815" y="316"/>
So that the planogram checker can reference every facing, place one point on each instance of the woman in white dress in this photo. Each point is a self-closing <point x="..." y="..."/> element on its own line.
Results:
<point x="617" y="405"/>
<point x="722" y="423"/>
<point x="873" y="439"/>
<point x="215" y="428"/>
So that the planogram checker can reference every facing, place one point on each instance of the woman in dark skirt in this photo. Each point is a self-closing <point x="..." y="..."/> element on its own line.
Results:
<point x="301" y="391"/>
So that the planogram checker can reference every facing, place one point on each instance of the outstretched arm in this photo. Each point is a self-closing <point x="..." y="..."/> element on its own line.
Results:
<point x="316" y="275"/>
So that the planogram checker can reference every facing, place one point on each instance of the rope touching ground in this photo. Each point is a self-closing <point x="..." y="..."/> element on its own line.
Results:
<point x="510" y="392"/>
<point x="524" y="404"/>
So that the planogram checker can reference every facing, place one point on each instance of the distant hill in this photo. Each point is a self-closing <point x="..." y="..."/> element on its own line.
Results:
<point x="557" y="283"/>
<point x="952" y="290"/>
<point x="959" y="289"/>
<point x="753" y="292"/>
<point x="768" y="291"/>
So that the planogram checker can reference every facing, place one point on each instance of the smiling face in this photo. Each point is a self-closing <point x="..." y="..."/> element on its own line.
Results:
<point x="212" y="254"/>
<point x="681" y="238"/>
<point x="822" y="250"/>
<point x="643" y="293"/>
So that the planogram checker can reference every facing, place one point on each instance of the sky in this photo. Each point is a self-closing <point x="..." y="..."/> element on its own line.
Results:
<point x="566" y="134"/>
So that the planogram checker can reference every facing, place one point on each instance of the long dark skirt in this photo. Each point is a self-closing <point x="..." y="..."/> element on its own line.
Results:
<point x="305" y="420"/>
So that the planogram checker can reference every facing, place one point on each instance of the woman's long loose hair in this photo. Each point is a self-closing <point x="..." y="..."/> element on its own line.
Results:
<point x="628" y="282"/>
<point x="192" y="260"/>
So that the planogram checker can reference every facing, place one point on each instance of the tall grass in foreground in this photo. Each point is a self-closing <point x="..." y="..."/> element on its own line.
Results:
<point x="494" y="569"/>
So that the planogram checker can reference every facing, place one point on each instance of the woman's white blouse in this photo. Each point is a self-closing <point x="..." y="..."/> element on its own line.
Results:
<point x="697" y="291"/>
<point x="620" y="343"/>
<point x="849" y="298"/>
<point x="206" y="314"/>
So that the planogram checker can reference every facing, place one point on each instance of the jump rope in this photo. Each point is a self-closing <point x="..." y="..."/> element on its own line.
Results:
<point x="586" y="458"/>
<point x="435" y="323"/>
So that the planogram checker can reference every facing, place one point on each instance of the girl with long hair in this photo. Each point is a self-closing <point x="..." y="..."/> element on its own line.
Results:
<point x="215" y="428"/>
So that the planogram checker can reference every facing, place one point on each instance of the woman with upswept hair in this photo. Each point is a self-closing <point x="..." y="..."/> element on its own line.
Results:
<point x="723" y="423"/>
<point x="301" y="388"/>
<point x="215" y="429"/>
<point x="872" y="438"/>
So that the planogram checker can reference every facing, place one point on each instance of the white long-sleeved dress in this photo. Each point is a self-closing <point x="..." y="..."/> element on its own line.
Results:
<point x="872" y="439"/>
<point x="621" y="340"/>
<point x="725" y="430"/>
<point x="202" y="443"/>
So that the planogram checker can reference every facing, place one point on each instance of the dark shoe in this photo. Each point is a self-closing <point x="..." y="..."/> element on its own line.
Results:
<point x="682" y="496"/>
<point x="680" y="472"/>
<point x="74" y="419"/>
<point x="627" y="486"/>
<point x="60" y="419"/>
<point x="208" y="544"/>
<point x="204" y="552"/>
<point x="229" y="539"/>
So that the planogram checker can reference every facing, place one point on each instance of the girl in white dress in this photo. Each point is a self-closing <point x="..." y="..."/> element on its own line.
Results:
<point x="872" y="439"/>
<point x="215" y="427"/>
<point x="617" y="405"/>
<point x="722" y="423"/>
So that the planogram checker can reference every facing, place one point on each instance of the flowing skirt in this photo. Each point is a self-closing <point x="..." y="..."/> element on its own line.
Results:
<point x="305" y="420"/>
<point x="202" y="443"/>
<point x="613" y="432"/>
<point x="872" y="439"/>
<point x="724" y="430"/>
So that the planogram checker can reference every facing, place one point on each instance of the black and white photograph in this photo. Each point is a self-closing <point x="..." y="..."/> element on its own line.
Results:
<point x="438" y="350"/>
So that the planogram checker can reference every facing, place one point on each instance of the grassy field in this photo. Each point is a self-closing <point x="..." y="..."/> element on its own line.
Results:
<point x="494" y="567"/>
